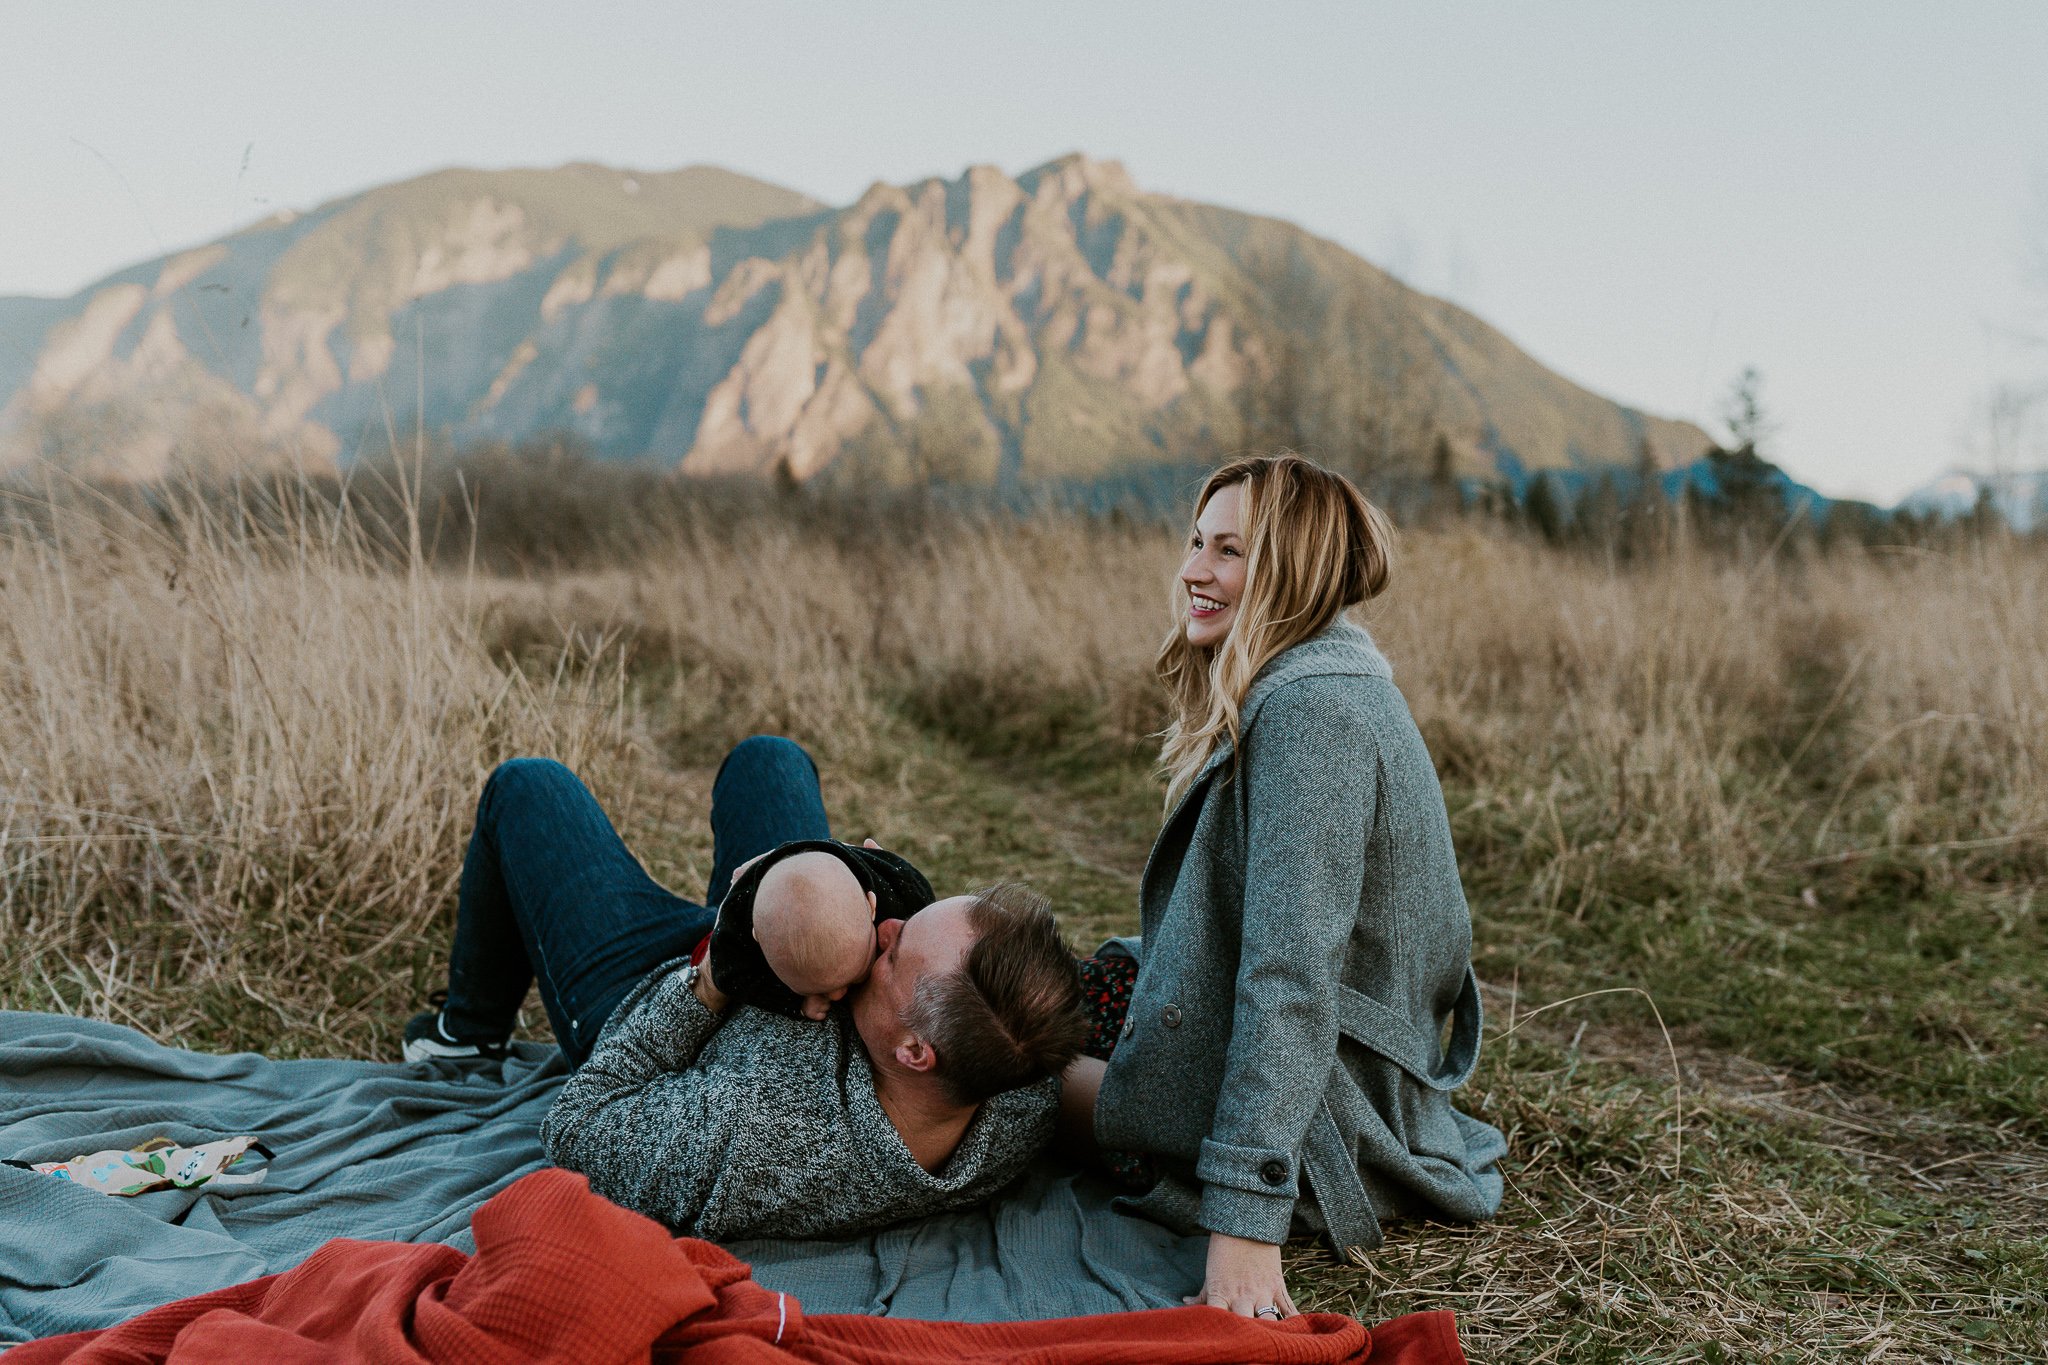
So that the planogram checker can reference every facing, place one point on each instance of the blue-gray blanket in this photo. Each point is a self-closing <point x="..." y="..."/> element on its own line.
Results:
<point x="407" y="1153"/>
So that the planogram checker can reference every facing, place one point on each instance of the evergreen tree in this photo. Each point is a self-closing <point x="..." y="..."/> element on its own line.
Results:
<point x="1649" y="521"/>
<point x="1599" y="518"/>
<point x="1446" y="498"/>
<point x="1749" y="423"/>
<point x="1751" y="503"/>
<point x="1547" y="508"/>
<point x="1984" y="519"/>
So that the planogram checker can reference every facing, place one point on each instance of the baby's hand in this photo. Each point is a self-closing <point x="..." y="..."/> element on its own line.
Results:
<point x="741" y="870"/>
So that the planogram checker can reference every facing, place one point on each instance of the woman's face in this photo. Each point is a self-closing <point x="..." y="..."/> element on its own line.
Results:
<point x="1214" y="569"/>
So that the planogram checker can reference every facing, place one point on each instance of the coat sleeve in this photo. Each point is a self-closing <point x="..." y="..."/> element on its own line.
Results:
<point x="645" y="1128"/>
<point x="1310" y="769"/>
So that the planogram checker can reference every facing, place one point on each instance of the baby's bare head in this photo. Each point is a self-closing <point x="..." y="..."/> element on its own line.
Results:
<point x="815" y="926"/>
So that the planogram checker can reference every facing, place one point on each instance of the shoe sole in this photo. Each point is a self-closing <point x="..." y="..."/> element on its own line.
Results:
<point x="427" y="1050"/>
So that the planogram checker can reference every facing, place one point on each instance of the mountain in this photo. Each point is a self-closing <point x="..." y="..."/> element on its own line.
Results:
<point x="2021" y="497"/>
<point x="1062" y="323"/>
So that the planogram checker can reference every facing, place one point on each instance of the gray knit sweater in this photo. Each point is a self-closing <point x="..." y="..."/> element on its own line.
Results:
<point x="753" y="1125"/>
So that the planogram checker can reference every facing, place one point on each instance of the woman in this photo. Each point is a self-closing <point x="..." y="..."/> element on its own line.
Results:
<point x="1279" y="1064"/>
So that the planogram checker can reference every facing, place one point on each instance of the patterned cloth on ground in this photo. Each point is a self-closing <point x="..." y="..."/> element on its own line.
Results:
<point x="1106" y="989"/>
<point x="155" y="1165"/>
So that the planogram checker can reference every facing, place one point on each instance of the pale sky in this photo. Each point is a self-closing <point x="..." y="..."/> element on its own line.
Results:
<point x="1646" y="197"/>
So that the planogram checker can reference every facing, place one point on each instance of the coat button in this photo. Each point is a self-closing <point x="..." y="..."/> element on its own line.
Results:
<point x="1171" y="1016"/>
<point x="1274" y="1172"/>
<point x="1129" y="1024"/>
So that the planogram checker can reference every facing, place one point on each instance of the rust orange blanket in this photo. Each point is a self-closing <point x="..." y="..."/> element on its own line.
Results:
<point x="562" y="1275"/>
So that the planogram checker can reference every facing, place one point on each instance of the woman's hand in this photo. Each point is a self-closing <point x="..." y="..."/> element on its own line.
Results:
<point x="1244" y="1276"/>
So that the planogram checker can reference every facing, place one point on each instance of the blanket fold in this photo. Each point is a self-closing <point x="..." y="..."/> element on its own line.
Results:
<point x="561" y="1274"/>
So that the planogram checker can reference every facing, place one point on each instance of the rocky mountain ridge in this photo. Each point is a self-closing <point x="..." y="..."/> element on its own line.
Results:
<point x="1060" y="323"/>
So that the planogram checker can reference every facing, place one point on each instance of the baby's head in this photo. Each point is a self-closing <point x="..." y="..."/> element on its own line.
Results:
<point x="816" y="927"/>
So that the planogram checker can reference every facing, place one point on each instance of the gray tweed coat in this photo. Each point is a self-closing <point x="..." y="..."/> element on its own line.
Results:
<point x="1305" y="943"/>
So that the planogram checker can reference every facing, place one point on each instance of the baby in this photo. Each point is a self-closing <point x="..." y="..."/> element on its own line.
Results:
<point x="797" y="928"/>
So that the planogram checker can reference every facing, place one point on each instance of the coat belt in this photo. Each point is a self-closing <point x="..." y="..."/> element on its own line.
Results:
<point x="1366" y="1021"/>
<point x="1328" y="1161"/>
<point x="1332" y="1171"/>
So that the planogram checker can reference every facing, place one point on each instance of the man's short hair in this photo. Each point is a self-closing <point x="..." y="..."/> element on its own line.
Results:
<point x="1013" y="1013"/>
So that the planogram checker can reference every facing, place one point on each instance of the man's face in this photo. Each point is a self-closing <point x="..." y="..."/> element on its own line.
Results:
<point x="936" y="940"/>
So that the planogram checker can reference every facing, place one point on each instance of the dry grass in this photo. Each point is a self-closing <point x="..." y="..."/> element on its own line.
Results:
<point x="1803" y="804"/>
<point x="236" y="769"/>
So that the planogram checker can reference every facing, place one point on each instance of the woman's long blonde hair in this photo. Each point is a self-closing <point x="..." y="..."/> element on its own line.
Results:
<point x="1313" y="547"/>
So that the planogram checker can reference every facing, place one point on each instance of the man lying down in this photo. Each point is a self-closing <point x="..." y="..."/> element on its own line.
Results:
<point x="828" y="1052"/>
<point x="730" y="1122"/>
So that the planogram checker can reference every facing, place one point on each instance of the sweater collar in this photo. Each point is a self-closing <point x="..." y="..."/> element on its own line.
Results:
<point x="1340" y="649"/>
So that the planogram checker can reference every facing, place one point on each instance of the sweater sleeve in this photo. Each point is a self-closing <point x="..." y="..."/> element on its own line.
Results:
<point x="1311" y="773"/>
<point x="634" y="1118"/>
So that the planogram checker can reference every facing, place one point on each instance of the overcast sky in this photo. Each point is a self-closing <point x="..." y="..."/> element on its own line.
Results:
<point x="1647" y="197"/>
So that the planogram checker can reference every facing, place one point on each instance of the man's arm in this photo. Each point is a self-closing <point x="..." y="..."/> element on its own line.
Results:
<point x="647" y="1131"/>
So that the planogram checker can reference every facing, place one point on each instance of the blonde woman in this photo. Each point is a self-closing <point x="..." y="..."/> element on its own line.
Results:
<point x="1270" y="1055"/>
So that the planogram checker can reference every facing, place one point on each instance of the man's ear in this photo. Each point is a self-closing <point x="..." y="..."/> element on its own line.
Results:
<point x="873" y="905"/>
<point x="915" y="1054"/>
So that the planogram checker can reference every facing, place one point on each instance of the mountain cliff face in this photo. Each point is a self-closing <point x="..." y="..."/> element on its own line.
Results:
<point x="1058" y="323"/>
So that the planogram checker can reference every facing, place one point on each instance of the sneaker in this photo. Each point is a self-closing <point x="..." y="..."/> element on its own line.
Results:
<point x="427" y="1037"/>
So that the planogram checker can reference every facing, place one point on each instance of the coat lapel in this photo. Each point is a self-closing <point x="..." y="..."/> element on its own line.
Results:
<point x="1342" y="648"/>
<point x="1171" y="845"/>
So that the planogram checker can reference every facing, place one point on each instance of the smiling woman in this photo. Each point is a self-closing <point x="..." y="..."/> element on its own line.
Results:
<point x="1214" y="571"/>
<point x="1305" y="876"/>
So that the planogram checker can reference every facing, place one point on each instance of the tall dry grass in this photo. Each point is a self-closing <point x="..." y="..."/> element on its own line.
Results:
<point x="239" y="743"/>
<point x="1716" y="718"/>
<point x="215" y="721"/>
<point x="232" y="753"/>
<point x="1733" y="718"/>
<point x="833" y="633"/>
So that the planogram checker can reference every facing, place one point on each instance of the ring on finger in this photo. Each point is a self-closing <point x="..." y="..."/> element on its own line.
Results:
<point x="1268" y="1309"/>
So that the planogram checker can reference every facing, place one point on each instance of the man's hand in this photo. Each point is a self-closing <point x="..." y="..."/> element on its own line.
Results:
<point x="706" y="987"/>
<point x="1244" y="1277"/>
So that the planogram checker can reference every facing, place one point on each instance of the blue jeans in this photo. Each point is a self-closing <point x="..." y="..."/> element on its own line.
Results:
<point x="550" y="892"/>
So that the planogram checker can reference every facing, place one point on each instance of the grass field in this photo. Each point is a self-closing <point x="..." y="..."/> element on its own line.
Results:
<point x="1756" y="849"/>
